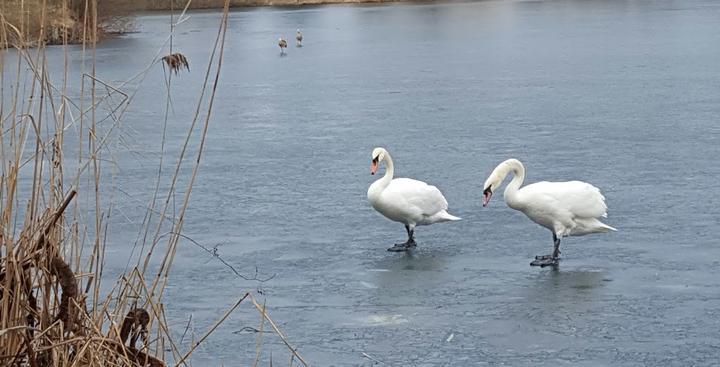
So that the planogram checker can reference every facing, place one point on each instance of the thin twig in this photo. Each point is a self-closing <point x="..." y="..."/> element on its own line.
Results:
<point x="277" y="330"/>
<point x="214" y="252"/>
<point x="215" y="326"/>
<point x="258" y="341"/>
<point x="187" y="327"/>
<point x="371" y="358"/>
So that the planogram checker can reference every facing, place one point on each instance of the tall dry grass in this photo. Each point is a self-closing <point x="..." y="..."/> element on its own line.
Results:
<point x="55" y="309"/>
<point x="33" y="22"/>
<point x="29" y="23"/>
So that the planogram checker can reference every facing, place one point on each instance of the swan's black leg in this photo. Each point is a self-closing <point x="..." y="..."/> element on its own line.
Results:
<point x="411" y="238"/>
<point x="410" y="243"/>
<point x="556" y="251"/>
<point x="549" y="260"/>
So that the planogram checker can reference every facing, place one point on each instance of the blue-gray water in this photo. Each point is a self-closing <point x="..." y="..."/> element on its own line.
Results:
<point x="622" y="94"/>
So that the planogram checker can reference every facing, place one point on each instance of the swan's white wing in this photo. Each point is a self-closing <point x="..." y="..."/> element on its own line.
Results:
<point x="580" y="199"/>
<point x="419" y="197"/>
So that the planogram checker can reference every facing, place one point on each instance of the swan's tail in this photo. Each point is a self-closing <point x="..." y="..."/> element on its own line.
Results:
<point x="607" y="228"/>
<point x="596" y="226"/>
<point x="589" y="225"/>
<point x="445" y="216"/>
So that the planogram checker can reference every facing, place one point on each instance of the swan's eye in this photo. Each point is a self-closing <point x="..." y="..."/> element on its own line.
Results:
<point x="375" y="160"/>
<point x="488" y="190"/>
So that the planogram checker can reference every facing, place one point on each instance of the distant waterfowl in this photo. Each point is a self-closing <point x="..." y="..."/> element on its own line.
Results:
<point x="283" y="45"/>
<point x="410" y="202"/>
<point x="570" y="208"/>
<point x="299" y="38"/>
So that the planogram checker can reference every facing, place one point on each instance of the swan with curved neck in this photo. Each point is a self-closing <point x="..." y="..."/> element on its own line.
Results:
<point x="410" y="202"/>
<point x="571" y="208"/>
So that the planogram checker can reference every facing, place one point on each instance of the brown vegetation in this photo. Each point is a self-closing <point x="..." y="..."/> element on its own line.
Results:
<point x="34" y="22"/>
<point x="56" y="22"/>
<point x="54" y="213"/>
<point x="176" y="62"/>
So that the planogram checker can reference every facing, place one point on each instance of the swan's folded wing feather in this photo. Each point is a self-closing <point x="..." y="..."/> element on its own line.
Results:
<point x="580" y="199"/>
<point x="427" y="199"/>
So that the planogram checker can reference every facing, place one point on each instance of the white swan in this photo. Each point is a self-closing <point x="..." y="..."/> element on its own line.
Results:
<point x="404" y="200"/>
<point x="570" y="208"/>
<point x="299" y="38"/>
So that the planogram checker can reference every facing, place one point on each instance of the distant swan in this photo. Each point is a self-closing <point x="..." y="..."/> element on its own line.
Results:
<point x="299" y="38"/>
<point x="404" y="200"/>
<point x="283" y="45"/>
<point x="570" y="208"/>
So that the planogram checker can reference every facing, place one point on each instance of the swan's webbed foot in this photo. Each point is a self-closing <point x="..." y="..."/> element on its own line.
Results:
<point x="400" y="247"/>
<point x="549" y="260"/>
<point x="545" y="260"/>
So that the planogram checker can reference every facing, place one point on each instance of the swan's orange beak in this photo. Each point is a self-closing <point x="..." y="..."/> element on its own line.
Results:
<point x="487" y="194"/>
<point x="373" y="167"/>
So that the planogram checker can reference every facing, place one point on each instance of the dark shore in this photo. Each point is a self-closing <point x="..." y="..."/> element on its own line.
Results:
<point x="211" y="4"/>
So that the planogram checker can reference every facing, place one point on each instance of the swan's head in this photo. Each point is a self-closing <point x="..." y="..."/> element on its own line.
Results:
<point x="497" y="176"/>
<point x="378" y="155"/>
<point x="492" y="183"/>
<point x="487" y="194"/>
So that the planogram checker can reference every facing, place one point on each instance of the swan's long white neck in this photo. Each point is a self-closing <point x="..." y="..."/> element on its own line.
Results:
<point x="389" y="171"/>
<point x="518" y="170"/>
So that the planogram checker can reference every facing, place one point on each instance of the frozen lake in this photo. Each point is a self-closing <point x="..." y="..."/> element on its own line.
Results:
<point x="622" y="94"/>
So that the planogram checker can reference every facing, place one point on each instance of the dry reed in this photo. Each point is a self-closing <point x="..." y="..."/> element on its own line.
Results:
<point x="57" y="22"/>
<point x="176" y="62"/>
<point x="52" y="312"/>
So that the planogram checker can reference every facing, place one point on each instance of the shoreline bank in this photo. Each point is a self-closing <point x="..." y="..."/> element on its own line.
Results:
<point x="60" y="23"/>
<point x="218" y="4"/>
